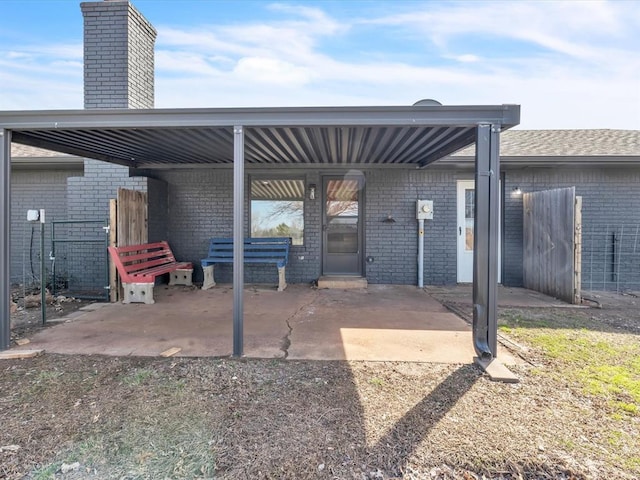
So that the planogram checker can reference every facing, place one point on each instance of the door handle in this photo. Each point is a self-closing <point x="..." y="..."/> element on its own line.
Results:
<point x="459" y="230"/>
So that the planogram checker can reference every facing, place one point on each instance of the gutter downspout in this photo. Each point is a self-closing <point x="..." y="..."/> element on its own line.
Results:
<point x="420" y="253"/>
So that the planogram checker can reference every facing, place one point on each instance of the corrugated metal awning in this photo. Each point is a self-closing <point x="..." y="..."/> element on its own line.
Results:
<point x="335" y="136"/>
<point x="270" y="189"/>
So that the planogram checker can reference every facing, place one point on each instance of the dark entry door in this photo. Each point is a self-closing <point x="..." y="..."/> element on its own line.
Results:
<point x="342" y="226"/>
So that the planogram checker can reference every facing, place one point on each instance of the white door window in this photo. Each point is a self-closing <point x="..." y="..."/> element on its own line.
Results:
<point x="465" y="232"/>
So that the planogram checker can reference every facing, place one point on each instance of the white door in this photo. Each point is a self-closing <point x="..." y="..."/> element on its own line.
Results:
<point x="466" y="205"/>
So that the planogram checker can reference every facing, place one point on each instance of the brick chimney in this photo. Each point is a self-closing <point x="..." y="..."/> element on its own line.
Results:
<point x="118" y="56"/>
<point x="118" y="73"/>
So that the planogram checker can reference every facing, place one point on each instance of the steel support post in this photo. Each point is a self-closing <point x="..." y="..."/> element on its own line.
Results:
<point x="5" y="222"/>
<point x="43" y="274"/>
<point x="238" y="240"/>
<point x="485" y="242"/>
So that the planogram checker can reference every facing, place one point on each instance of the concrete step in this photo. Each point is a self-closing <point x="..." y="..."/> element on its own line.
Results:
<point x="335" y="281"/>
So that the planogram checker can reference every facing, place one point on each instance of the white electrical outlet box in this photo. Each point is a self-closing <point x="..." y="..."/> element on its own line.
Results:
<point x="33" y="215"/>
<point x="424" y="210"/>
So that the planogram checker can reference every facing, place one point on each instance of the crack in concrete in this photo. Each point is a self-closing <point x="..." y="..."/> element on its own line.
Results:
<point x="285" y="343"/>
<point x="286" y="340"/>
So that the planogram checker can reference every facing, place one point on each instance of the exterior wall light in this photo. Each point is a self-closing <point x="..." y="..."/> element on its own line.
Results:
<point x="312" y="191"/>
<point x="517" y="191"/>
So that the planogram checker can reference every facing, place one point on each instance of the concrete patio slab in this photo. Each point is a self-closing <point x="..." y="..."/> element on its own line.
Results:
<point x="395" y="323"/>
<point x="381" y="323"/>
<point x="508" y="297"/>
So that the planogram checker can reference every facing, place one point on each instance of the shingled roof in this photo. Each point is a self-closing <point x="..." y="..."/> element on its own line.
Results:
<point x="24" y="151"/>
<point x="24" y="157"/>
<point x="565" y="143"/>
<point x="513" y="143"/>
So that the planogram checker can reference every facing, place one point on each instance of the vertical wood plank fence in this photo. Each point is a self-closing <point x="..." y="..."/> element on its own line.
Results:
<point x="552" y="243"/>
<point x="132" y="217"/>
<point x="128" y="224"/>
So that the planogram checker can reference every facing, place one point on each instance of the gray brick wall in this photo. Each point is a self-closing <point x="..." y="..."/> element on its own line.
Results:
<point x="394" y="246"/>
<point x="200" y="207"/>
<point x="610" y="198"/>
<point x="158" y="210"/>
<point x="142" y="37"/>
<point x="31" y="189"/>
<point x="88" y="196"/>
<point x="88" y="199"/>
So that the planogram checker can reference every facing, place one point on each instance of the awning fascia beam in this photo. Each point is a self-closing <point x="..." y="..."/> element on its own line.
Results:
<point x="456" y="115"/>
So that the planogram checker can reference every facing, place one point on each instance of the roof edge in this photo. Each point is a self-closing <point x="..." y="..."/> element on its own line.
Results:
<point x="47" y="163"/>
<point x="451" y="115"/>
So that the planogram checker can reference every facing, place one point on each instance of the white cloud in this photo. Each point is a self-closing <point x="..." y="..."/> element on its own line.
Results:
<point x="559" y="26"/>
<point x="184" y="62"/>
<point x="41" y="77"/>
<point x="18" y="55"/>
<point x="269" y="70"/>
<point x="467" y="58"/>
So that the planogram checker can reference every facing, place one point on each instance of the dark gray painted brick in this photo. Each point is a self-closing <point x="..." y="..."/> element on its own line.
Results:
<point x="610" y="202"/>
<point x="31" y="189"/>
<point x="200" y="207"/>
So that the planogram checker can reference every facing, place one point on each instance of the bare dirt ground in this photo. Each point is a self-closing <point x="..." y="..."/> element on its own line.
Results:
<point x="26" y="319"/>
<point x="72" y="417"/>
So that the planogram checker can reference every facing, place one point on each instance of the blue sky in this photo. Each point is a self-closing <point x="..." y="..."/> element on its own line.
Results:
<point x="569" y="64"/>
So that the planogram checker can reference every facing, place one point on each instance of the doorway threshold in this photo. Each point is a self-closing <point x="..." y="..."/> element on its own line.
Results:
<point x="342" y="281"/>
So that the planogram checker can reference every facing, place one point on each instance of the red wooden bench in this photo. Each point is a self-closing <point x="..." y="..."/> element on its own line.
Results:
<point x="139" y="265"/>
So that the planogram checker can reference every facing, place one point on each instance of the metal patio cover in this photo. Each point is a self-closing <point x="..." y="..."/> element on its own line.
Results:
<point x="334" y="137"/>
<point x="318" y="136"/>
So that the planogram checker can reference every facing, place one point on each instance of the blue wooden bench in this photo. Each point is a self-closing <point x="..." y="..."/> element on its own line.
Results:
<point x="269" y="251"/>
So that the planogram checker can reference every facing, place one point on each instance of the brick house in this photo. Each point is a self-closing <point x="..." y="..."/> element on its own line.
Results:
<point x="375" y="236"/>
<point x="601" y="164"/>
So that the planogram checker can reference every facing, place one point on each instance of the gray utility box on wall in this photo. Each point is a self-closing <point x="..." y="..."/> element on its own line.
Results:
<point x="424" y="210"/>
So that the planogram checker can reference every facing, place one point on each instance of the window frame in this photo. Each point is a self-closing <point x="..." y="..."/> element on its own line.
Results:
<point x="276" y="177"/>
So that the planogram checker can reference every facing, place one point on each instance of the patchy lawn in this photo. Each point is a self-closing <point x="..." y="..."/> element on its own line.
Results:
<point x="605" y="365"/>
<point x="573" y="416"/>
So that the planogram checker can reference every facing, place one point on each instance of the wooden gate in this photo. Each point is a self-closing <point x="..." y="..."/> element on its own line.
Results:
<point x="128" y="225"/>
<point x="552" y="232"/>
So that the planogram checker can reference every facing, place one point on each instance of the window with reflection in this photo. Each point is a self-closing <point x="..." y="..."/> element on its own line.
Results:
<point x="342" y="212"/>
<point x="277" y="208"/>
<point x="469" y="207"/>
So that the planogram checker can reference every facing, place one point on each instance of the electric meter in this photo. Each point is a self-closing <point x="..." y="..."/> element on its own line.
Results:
<point x="424" y="210"/>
